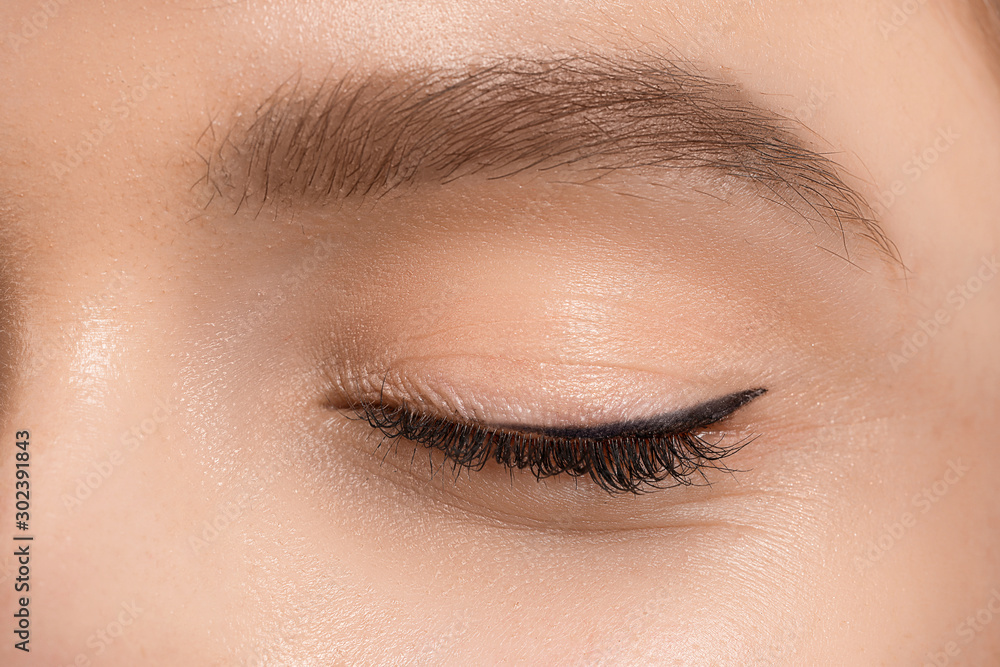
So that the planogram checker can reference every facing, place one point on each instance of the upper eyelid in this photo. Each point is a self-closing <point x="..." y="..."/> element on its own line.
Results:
<point x="682" y="421"/>
<point x="688" y="419"/>
<point x="618" y="462"/>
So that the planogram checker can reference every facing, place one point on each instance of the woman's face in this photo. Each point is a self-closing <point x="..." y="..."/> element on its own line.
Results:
<point x="236" y="233"/>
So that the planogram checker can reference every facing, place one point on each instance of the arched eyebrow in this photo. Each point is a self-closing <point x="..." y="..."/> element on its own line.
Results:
<point x="357" y="137"/>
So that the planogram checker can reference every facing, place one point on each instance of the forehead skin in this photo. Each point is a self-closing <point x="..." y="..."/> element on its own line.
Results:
<point x="177" y="519"/>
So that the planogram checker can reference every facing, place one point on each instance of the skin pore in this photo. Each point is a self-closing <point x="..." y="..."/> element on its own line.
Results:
<point x="218" y="242"/>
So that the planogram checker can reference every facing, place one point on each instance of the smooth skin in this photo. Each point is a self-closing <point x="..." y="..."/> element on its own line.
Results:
<point x="196" y="500"/>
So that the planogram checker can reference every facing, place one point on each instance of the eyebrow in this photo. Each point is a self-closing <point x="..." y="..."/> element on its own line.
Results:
<point x="362" y="137"/>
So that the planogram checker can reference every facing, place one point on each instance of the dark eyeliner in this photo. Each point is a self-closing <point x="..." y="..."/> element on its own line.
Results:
<point x="693" y="418"/>
<point x="632" y="456"/>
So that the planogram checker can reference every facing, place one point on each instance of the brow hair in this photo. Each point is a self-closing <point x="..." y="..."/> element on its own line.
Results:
<point x="365" y="136"/>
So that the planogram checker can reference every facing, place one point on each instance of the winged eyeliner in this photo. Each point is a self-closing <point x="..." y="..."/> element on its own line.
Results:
<point x="684" y="420"/>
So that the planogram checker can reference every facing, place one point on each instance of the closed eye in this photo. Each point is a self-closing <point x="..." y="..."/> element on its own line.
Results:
<point x="623" y="457"/>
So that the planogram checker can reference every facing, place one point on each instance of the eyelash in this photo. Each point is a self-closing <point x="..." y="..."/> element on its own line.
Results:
<point x="631" y="463"/>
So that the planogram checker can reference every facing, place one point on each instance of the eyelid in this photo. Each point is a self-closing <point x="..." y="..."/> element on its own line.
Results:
<point x="696" y="417"/>
<point x="626" y="457"/>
